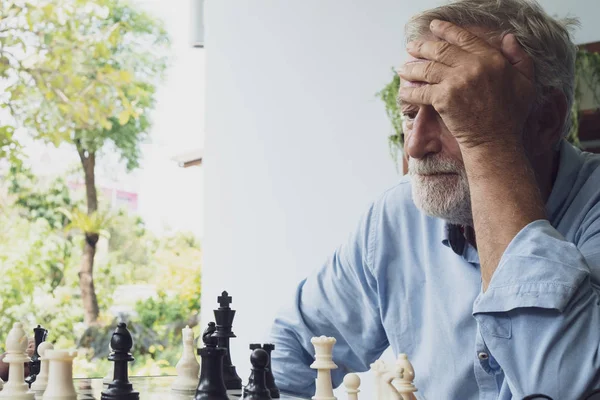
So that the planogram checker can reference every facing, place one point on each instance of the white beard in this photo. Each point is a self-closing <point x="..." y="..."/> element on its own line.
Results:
<point x="443" y="196"/>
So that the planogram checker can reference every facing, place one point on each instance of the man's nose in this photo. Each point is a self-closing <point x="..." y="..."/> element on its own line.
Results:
<point x="425" y="136"/>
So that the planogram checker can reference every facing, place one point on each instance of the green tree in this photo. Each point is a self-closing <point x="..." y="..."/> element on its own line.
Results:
<point x="81" y="72"/>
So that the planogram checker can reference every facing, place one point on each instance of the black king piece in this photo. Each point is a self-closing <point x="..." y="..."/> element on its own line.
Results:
<point x="224" y="318"/>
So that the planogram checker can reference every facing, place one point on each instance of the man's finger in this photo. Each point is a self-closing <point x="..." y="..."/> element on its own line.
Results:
<point x="422" y="95"/>
<point x="517" y="56"/>
<point x="423" y="71"/>
<point x="440" y="51"/>
<point x="459" y="36"/>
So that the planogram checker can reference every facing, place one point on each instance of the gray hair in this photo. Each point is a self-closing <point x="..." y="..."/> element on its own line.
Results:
<point x="546" y="39"/>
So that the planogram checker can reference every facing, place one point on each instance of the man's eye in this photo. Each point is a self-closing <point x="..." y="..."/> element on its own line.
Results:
<point x="409" y="115"/>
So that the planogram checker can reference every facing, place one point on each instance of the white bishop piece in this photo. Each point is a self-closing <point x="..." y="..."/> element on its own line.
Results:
<point x="351" y="383"/>
<point x="16" y="357"/>
<point x="323" y="364"/>
<point x="41" y="381"/>
<point x="405" y="375"/>
<point x="60" y="376"/>
<point x="187" y="367"/>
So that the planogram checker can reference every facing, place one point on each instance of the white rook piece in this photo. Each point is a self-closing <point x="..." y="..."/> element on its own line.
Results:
<point x="352" y="382"/>
<point x="41" y="382"/>
<point x="187" y="367"/>
<point x="323" y="364"/>
<point x="379" y="369"/>
<point x="60" y="375"/>
<point x="16" y="357"/>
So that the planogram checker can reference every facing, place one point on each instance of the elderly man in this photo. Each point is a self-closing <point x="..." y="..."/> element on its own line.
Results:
<point x="484" y="265"/>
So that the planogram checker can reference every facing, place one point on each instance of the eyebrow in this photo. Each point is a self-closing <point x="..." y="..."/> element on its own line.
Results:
<point x="401" y="104"/>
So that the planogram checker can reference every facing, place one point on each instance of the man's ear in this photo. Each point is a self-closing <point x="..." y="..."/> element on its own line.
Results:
<point x="548" y="122"/>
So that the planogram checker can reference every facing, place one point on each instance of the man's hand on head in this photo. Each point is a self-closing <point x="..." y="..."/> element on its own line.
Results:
<point x="483" y="94"/>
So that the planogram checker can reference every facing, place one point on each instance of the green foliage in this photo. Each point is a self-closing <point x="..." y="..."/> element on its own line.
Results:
<point x="39" y="284"/>
<point x="389" y="95"/>
<point x="81" y="221"/>
<point x="587" y="72"/>
<point x="82" y="71"/>
<point x="39" y="203"/>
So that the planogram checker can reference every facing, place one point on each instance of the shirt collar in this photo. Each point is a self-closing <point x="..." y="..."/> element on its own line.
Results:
<point x="568" y="168"/>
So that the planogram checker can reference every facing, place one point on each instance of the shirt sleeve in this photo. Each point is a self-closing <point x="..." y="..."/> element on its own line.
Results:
<point x="339" y="300"/>
<point x="540" y="316"/>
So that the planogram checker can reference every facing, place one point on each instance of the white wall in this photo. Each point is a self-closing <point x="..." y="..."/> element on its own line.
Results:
<point x="295" y="140"/>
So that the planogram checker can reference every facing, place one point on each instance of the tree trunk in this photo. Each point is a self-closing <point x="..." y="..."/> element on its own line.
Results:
<point x="86" y="273"/>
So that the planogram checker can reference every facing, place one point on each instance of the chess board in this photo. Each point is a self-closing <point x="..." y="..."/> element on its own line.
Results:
<point x="150" y="388"/>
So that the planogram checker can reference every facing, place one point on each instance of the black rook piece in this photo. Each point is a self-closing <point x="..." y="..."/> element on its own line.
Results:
<point x="224" y="318"/>
<point x="39" y="334"/>
<point x="120" y="388"/>
<point x="257" y="383"/>
<point x="268" y="347"/>
<point x="211" y="385"/>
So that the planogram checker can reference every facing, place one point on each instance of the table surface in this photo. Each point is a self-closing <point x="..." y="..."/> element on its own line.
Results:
<point x="150" y="388"/>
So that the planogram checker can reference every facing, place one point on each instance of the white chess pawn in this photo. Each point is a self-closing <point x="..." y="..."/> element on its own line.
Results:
<point x="60" y="375"/>
<point x="323" y="364"/>
<point x="41" y="381"/>
<point x="110" y="375"/>
<point x="16" y="347"/>
<point x="351" y="383"/>
<point x="187" y="367"/>
<point x="404" y="382"/>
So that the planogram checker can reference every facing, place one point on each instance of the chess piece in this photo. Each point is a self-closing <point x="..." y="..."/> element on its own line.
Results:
<point x="211" y="385"/>
<point x="120" y="388"/>
<point x="41" y="382"/>
<point x="273" y="389"/>
<point x="379" y="369"/>
<point x="60" y="375"/>
<point x="257" y="383"/>
<point x="351" y="383"/>
<point x="39" y="335"/>
<point x="187" y="367"/>
<point x="405" y="375"/>
<point x="16" y="347"/>
<point x="108" y="378"/>
<point x="224" y="318"/>
<point x="323" y="364"/>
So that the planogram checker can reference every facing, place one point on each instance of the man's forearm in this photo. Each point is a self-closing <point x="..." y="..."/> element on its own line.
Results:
<point x="505" y="198"/>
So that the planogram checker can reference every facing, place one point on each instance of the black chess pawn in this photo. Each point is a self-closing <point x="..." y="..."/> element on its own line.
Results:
<point x="39" y="335"/>
<point x="257" y="383"/>
<point x="211" y="385"/>
<point x="273" y="389"/>
<point x="120" y="388"/>
<point x="224" y="318"/>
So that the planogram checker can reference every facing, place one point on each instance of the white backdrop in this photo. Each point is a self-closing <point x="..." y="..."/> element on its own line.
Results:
<point x="296" y="139"/>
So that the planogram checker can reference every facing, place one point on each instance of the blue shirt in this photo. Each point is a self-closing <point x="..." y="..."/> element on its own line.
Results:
<point x="412" y="282"/>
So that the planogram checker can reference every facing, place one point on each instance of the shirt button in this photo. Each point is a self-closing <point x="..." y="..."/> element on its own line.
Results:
<point x="483" y="356"/>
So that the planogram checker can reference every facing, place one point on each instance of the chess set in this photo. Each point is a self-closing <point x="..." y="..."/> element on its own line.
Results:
<point x="213" y="378"/>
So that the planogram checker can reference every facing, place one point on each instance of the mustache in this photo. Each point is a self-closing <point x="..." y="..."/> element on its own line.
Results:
<point x="434" y="165"/>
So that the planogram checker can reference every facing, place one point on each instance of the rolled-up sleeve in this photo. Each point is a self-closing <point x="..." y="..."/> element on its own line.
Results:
<point x="540" y="316"/>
